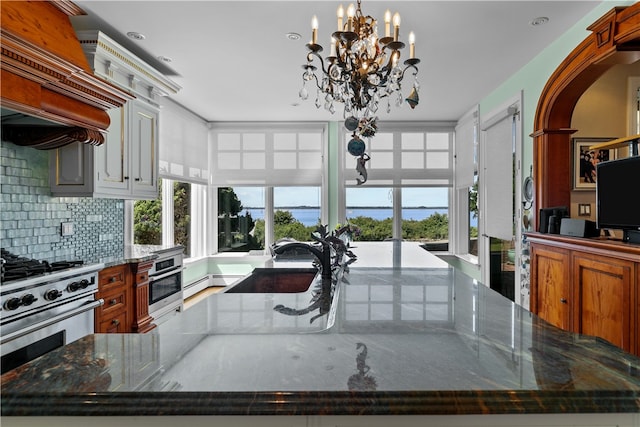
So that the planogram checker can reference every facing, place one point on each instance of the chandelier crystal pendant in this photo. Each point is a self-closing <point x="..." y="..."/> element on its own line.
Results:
<point x="362" y="70"/>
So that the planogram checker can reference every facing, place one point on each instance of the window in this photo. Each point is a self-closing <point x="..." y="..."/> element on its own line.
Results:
<point x="425" y="216"/>
<point x="258" y="154"/>
<point x="473" y="217"/>
<point x="371" y="210"/>
<point x="402" y="159"/>
<point x="266" y="159"/>
<point x="147" y="220"/>
<point x="182" y="216"/>
<point x="167" y="219"/>
<point x="466" y="185"/>
<point x="297" y="212"/>
<point x="240" y="212"/>
<point x="409" y="175"/>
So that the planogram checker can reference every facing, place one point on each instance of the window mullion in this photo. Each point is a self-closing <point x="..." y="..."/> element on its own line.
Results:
<point x="167" y="212"/>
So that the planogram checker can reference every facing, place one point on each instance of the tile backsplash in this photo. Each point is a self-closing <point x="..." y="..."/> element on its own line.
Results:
<point x="31" y="219"/>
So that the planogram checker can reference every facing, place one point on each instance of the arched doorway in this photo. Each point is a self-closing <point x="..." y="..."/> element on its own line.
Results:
<point x="615" y="39"/>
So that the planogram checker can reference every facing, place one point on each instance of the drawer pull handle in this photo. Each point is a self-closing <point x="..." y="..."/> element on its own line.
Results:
<point x="113" y="302"/>
<point x="563" y="300"/>
<point x="112" y="279"/>
<point x="115" y="322"/>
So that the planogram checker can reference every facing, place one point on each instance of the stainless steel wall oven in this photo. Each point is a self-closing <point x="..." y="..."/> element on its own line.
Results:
<point x="165" y="283"/>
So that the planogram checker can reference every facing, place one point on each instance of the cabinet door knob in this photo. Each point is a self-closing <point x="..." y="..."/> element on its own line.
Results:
<point x="115" y="322"/>
<point x="138" y="179"/>
<point x="112" y="279"/>
<point x="563" y="300"/>
<point x="113" y="302"/>
<point x="126" y="177"/>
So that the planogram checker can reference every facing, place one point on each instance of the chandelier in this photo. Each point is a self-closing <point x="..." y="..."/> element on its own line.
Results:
<point x="362" y="70"/>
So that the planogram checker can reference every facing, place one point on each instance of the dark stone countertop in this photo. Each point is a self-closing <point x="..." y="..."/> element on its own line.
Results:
<point x="397" y="341"/>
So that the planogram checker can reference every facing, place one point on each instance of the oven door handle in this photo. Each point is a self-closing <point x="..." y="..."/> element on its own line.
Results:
<point x="59" y="318"/>
<point x="163" y="275"/>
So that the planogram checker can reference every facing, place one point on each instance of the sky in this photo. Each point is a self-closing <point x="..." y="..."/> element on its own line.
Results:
<point x="355" y="197"/>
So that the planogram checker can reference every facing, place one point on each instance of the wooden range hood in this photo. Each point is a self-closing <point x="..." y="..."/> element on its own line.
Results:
<point x="45" y="74"/>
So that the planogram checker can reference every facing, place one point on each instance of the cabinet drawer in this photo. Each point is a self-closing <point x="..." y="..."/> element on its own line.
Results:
<point x="112" y="278"/>
<point x="113" y="302"/>
<point x="142" y="278"/>
<point x="114" y="324"/>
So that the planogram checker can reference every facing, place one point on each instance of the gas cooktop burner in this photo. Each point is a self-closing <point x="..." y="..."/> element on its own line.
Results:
<point x="16" y="267"/>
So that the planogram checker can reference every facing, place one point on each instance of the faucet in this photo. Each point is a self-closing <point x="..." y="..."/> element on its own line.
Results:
<point x="323" y="256"/>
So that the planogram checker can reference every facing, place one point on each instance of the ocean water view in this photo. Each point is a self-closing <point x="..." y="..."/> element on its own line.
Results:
<point x="310" y="216"/>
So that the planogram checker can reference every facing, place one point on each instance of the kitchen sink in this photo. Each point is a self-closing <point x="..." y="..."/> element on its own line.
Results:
<point x="275" y="280"/>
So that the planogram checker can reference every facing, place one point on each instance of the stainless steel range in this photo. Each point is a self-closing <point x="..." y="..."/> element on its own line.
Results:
<point x="44" y="306"/>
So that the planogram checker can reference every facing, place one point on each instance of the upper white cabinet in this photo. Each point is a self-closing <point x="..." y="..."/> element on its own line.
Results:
<point x="126" y="165"/>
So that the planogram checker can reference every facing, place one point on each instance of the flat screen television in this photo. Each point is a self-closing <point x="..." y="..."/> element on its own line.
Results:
<point x="618" y="196"/>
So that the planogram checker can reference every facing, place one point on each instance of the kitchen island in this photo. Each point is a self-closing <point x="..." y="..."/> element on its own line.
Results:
<point x="395" y="340"/>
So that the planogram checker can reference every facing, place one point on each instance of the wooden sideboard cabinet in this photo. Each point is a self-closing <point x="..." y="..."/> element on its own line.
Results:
<point x="114" y="288"/>
<point x="125" y="291"/>
<point x="588" y="286"/>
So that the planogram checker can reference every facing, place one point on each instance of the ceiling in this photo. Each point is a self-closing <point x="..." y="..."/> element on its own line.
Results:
<point x="235" y="63"/>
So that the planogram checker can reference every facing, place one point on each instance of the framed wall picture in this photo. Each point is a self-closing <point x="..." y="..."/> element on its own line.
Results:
<point x="585" y="160"/>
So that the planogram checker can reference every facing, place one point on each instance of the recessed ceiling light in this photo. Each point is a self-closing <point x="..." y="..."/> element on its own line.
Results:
<point x="541" y="20"/>
<point x="293" y="36"/>
<point x="136" y="36"/>
<point x="164" y="59"/>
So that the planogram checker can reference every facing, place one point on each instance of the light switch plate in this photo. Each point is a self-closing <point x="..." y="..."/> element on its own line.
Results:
<point x="67" y="229"/>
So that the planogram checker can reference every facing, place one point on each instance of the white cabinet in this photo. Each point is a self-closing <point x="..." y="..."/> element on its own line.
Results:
<point x="144" y="153"/>
<point x="126" y="165"/>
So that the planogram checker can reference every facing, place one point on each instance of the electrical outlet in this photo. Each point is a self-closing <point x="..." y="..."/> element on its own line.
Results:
<point x="67" y="229"/>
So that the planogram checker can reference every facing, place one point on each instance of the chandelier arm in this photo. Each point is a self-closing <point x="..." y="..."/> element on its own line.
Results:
<point x="407" y="67"/>
<point x="324" y="70"/>
<point x="317" y="82"/>
<point x="386" y="70"/>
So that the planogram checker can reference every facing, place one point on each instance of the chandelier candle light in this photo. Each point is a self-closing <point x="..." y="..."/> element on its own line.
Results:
<point x="361" y="69"/>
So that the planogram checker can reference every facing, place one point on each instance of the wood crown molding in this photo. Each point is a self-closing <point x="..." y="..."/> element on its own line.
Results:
<point x="45" y="73"/>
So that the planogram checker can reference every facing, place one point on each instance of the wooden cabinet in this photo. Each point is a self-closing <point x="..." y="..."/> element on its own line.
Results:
<point x="125" y="291"/>
<point x="114" y="288"/>
<point x="126" y="165"/>
<point x="140" y="275"/>
<point x="114" y="324"/>
<point x="602" y="293"/>
<point x="588" y="286"/>
<point x="554" y="290"/>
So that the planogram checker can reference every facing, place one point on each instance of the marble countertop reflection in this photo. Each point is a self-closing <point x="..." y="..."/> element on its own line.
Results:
<point x="397" y="341"/>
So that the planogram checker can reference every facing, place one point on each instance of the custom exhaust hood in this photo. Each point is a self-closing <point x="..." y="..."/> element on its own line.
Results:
<point x="49" y="95"/>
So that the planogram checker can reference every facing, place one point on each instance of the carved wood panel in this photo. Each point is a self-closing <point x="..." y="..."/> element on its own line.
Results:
<point x="602" y="289"/>
<point x="550" y="285"/>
